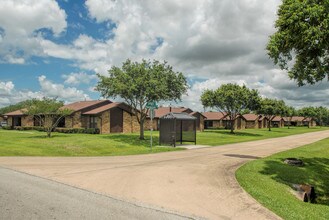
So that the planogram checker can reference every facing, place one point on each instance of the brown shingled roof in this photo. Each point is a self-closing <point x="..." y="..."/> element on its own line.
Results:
<point x="251" y="117"/>
<point x="77" y="106"/>
<point x="277" y="118"/>
<point x="15" y="113"/>
<point x="161" y="111"/>
<point x="213" y="116"/>
<point x="297" y="118"/>
<point x="109" y="106"/>
<point x="194" y="113"/>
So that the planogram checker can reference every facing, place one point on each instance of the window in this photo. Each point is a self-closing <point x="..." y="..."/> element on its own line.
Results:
<point x="93" y="122"/>
<point x="17" y="121"/>
<point x="61" y="123"/>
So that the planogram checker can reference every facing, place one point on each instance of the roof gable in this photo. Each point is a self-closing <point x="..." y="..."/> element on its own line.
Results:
<point x="251" y="117"/>
<point x="82" y="105"/>
<point x="19" y="112"/>
<point x="161" y="111"/>
<point x="109" y="106"/>
<point x="214" y="116"/>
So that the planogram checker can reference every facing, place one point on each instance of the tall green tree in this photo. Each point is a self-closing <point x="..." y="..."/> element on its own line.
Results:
<point x="322" y="115"/>
<point x="48" y="111"/>
<point x="141" y="82"/>
<point x="231" y="99"/>
<point x="319" y="114"/>
<point x="300" y="44"/>
<point x="271" y="108"/>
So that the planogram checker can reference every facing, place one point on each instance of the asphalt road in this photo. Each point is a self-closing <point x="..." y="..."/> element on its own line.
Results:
<point x="23" y="196"/>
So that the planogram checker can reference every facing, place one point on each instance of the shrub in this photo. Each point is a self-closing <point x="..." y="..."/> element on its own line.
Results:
<point x="7" y="127"/>
<point x="78" y="130"/>
<point x="92" y="131"/>
<point x="26" y="128"/>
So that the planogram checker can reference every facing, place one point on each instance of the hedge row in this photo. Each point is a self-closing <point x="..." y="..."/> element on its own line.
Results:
<point x="60" y="130"/>
<point x="25" y="128"/>
<point x="78" y="130"/>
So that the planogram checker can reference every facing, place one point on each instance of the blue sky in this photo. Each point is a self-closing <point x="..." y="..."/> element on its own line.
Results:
<point x="55" y="48"/>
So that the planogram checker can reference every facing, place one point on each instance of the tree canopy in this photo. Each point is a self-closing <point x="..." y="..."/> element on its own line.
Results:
<point x="47" y="111"/>
<point x="231" y="99"/>
<point x="14" y="107"/>
<point x="301" y="43"/>
<point x="271" y="108"/>
<point x="320" y="114"/>
<point x="141" y="82"/>
<point x="289" y="112"/>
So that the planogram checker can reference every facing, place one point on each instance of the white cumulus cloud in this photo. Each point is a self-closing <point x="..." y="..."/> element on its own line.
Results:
<point x="69" y="94"/>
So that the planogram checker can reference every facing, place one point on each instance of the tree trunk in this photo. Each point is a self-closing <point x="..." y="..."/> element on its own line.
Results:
<point x="141" y="130"/>
<point x="289" y="124"/>
<point x="48" y="133"/>
<point x="269" y="125"/>
<point x="232" y="126"/>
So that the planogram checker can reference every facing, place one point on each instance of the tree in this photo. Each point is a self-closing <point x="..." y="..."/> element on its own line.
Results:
<point x="231" y="99"/>
<point x="322" y="115"/>
<point x="309" y="112"/>
<point x="139" y="83"/>
<point x="271" y="108"/>
<point x="301" y="43"/>
<point x="14" y="107"/>
<point x="49" y="112"/>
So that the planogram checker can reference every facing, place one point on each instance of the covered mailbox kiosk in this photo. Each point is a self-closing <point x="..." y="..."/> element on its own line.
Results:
<point x="177" y="127"/>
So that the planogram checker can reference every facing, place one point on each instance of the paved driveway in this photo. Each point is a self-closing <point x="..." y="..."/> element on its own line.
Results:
<point x="200" y="182"/>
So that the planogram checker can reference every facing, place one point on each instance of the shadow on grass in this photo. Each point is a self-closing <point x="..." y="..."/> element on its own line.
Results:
<point x="44" y="136"/>
<point x="236" y="133"/>
<point x="315" y="172"/>
<point x="133" y="139"/>
<point x="241" y="156"/>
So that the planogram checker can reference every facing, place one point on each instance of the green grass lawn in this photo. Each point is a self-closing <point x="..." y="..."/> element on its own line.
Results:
<point x="220" y="137"/>
<point x="269" y="181"/>
<point x="34" y="143"/>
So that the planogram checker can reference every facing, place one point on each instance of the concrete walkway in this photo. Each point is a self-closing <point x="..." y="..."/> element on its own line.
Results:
<point x="199" y="182"/>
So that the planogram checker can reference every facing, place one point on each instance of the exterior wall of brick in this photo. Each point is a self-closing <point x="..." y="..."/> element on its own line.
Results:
<point x="10" y="121"/>
<point x="77" y="123"/>
<point x="27" y="121"/>
<point x="251" y="124"/>
<point x="104" y="123"/>
<point x="130" y="123"/>
<point x="68" y="122"/>
<point x="136" y="127"/>
<point x="217" y="124"/>
<point x="127" y="123"/>
<point x="85" y="121"/>
<point x="73" y="121"/>
<point x="277" y="124"/>
<point x="240" y="123"/>
<point x="147" y="124"/>
<point x="262" y="123"/>
<point x="201" y="123"/>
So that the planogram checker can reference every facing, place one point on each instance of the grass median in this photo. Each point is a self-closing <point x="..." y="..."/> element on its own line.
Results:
<point x="269" y="181"/>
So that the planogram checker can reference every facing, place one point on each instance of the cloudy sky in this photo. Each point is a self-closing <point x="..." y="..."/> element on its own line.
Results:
<point x="54" y="48"/>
